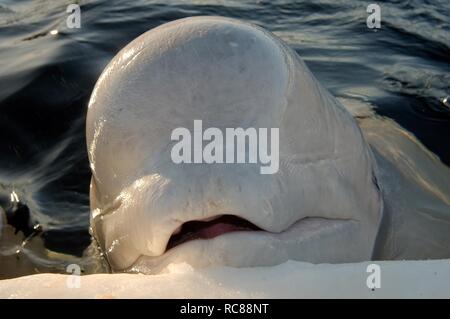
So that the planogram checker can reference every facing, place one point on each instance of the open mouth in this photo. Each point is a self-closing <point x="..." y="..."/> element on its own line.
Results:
<point x="211" y="228"/>
<point x="199" y="243"/>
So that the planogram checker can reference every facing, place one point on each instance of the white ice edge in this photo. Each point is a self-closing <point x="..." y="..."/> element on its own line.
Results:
<point x="399" y="279"/>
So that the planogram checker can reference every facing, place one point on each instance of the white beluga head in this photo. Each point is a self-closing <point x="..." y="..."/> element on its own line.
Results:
<point x="321" y="204"/>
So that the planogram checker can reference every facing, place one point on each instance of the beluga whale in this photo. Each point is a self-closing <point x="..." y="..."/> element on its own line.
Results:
<point x="324" y="202"/>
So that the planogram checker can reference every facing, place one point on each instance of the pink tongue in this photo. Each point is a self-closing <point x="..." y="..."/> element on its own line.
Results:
<point x="216" y="230"/>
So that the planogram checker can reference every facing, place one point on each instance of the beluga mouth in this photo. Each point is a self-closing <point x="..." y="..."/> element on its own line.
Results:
<point x="321" y="203"/>
<point x="208" y="229"/>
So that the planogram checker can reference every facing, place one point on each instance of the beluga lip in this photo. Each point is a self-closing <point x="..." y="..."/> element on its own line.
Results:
<point x="209" y="228"/>
<point x="318" y="202"/>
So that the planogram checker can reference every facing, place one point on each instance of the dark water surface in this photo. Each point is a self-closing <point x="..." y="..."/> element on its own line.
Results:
<point x="47" y="72"/>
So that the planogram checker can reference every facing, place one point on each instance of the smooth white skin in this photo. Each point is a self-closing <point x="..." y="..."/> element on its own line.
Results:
<point x="321" y="206"/>
<point x="416" y="192"/>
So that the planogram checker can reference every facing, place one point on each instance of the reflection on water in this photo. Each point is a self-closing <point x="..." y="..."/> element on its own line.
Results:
<point x="400" y="72"/>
